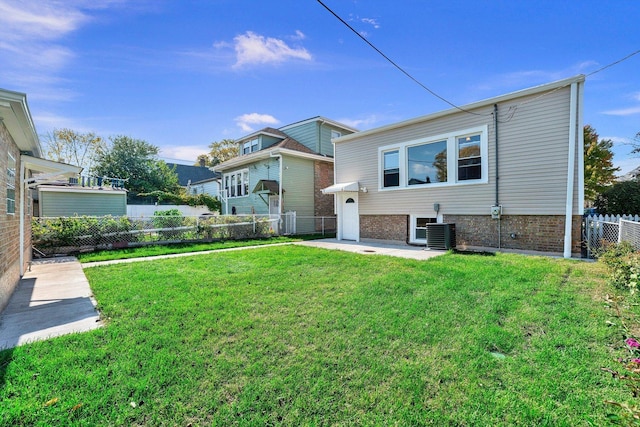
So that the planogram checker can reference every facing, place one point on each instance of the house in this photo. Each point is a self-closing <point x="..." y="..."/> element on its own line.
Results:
<point x="90" y="196"/>
<point x="283" y="170"/>
<point x="22" y="168"/>
<point x="507" y="172"/>
<point x="197" y="179"/>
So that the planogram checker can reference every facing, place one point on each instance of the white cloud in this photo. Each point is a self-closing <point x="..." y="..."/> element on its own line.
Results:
<point x="636" y="96"/>
<point x="623" y="111"/>
<point x="246" y="120"/>
<point x="184" y="152"/>
<point x="362" y="123"/>
<point x="371" y="21"/>
<point x="252" y="48"/>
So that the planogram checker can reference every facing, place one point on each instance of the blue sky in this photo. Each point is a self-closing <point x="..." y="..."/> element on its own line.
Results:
<point x="181" y="74"/>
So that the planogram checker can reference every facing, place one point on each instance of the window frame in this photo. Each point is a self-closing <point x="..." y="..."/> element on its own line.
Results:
<point x="413" y="226"/>
<point x="385" y="169"/>
<point x="11" y="184"/>
<point x="452" y="159"/>
<point x="251" y="146"/>
<point x="236" y="183"/>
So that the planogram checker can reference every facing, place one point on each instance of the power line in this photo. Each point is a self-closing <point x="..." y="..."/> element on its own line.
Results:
<point x="394" y="64"/>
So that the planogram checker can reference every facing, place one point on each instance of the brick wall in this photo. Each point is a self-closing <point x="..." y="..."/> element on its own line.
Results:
<point x="9" y="224"/>
<point x="384" y="227"/>
<point x="323" y="178"/>
<point x="537" y="233"/>
<point x="534" y="233"/>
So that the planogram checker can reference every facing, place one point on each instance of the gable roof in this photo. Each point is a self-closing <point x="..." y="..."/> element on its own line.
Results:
<point x="323" y="120"/>
<point x="14" y="112"/>
<point x="192" y="174"/>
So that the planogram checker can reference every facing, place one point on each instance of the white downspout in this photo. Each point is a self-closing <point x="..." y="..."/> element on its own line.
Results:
<point x="23" y="189"/>
<point x="280" y="169"/>
<point x="573" y="123"/>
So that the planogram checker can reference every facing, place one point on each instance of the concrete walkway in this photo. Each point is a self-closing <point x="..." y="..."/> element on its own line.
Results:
<point x="52" y="299"/>
<point x="375" y="248"/>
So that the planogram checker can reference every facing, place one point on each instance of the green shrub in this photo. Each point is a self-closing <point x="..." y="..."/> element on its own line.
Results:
<point x="623" y="263"/>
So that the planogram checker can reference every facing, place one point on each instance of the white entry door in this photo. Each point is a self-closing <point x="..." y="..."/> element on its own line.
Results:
<point x="349" y="219"/>
<point x="274" y="205"/>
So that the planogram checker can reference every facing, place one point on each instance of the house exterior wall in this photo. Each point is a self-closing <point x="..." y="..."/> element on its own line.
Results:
<point x="533" y="157"/>
<point x="10" y="223"/>
<point x="253" y="203"/>
<point x="323" y="178"/>
<point x="298" y="184"/>
<point x="315" y="135"/>
<point x="72" y="203"/>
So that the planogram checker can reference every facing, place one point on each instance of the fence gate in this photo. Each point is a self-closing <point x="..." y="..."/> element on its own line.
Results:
<point x="597" y="233"/>
<point x="288" y="223"/>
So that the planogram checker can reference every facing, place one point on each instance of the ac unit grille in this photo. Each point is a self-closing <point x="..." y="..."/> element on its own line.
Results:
<point x="441" y="236"/>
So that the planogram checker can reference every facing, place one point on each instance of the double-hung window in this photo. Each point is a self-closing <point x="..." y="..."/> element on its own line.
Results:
<point x="455" y="158"/>
<point x="391" y="168"/>
<point x="236" y="184"/>
<point x="11" y="185"/>
<point x="469" y="157"/>
<point x="250" y="146"/>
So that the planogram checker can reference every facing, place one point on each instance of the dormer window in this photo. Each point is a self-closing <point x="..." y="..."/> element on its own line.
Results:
<point x="250" y="146"/>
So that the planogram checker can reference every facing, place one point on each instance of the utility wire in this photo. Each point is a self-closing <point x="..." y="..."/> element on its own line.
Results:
<point x="512" y="109"/>
<point x="394" y="64"/>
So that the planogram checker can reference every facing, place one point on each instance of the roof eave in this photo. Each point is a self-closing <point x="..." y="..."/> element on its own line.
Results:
<point x="15" y="114"/>
<point x="475" y="105"/>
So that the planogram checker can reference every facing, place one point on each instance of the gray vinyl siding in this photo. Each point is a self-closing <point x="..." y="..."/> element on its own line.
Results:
<point x="533" y="156"/>
<point x="56" y="204"/>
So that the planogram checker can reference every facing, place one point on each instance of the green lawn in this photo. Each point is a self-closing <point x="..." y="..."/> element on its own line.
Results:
<point x="179" y="248"/>
<point x="291" y="335"/>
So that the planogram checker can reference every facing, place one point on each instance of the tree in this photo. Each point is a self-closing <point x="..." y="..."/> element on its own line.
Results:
<point x="221" y="151"/>
<point x="599" y="172"/>
<point x="136" y="160"/>
<point x="620" y="198"/>
<point x="636" y="144"/>
<point x="68" y="146"/>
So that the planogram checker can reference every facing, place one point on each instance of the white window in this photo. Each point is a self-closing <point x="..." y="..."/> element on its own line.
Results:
<point x="11" y="185"/>
<point x="250" y="146"/>
<point x="419" y="228"/>
<point x="335" y="134"/>
<point x="391" y="168"/>
<point x="456" y="158"/>
<point x="236" y="184"/>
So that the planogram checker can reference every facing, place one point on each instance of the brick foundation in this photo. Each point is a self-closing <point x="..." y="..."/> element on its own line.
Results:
<point x="543" y="233"/>
<point x="384" y="227"/>
<point x="532" y="232"/>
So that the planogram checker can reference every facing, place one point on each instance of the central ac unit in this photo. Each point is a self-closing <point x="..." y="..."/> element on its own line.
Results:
<point x="441" y="236"/>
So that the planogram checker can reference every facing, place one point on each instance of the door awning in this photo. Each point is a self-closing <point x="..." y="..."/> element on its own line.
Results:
<point x="341" y="187"/>
<point x="267" y="186"/>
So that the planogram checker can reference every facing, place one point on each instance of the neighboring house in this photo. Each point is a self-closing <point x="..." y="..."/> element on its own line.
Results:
<point x="197" y="179"/>
<point x="88" y="196"/>
<point x="282" y="170"/>
<point x="630" y="176"/>
<point x="507" y="171"/>
<point x="21" y="168"/>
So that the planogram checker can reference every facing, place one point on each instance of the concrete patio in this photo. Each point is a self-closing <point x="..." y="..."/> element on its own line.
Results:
<point x="52" y="299"/>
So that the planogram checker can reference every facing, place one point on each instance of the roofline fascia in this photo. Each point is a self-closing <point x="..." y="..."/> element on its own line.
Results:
<point x="320" y="119"/>
<point x="474" y="105"/>
<point x="265" y="154"/>
<point x="17" y="103"/>
<point x="255" y="134"/>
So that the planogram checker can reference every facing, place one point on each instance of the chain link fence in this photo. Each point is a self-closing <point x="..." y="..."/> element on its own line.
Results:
<point x="68" y="235"/>
<point x="630" y="232"/>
